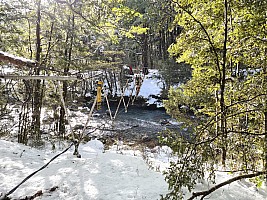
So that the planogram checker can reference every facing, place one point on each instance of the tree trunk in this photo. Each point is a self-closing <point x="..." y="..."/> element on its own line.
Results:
<point x="49" y="41"/>
<point x="145" y="53"/>
<point x="24" y="123"/>
<point x="265" y="138"/>
<point x="29" y="38"/>
<point x="265" y="118"/>
<point x="163" y="44"/>
<point x="37" y="83"/>
<point x="68" y="54"/>
<point x="222" y="86"/>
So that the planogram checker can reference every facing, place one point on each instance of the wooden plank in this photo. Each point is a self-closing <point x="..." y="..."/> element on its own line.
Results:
<point x="40" y="77"/>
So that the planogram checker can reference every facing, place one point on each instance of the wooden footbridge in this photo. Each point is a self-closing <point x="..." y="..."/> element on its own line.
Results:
<point x="20" y="62"/>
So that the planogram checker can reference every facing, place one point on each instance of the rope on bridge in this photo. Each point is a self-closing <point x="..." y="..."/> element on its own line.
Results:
<point x="82" y="134"/>
<point x="137" y="84"/>
<point x="122" y="97"/>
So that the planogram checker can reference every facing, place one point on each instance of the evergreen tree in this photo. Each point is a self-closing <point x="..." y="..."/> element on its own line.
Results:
<point x="223" y="105"/>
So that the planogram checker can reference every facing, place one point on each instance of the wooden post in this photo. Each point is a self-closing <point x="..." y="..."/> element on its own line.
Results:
<point x="99" y="93"/>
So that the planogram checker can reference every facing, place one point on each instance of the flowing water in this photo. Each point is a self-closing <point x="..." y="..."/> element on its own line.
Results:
<point x="138" y="123"/>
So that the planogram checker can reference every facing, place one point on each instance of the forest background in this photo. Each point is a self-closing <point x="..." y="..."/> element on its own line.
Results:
<point x="223" y="42"/>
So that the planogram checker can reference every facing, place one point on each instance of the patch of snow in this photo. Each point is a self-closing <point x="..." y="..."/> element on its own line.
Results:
<point x="88" y="94"/>
<point x="17" y="57"/>
<point x="96" y="175"/>
<point x="95" y="145"/>
<point x="151" y="86"/>
<point x="5" y="69"/>
<point x="105" y="176"/>
<point x="125" y="67"/>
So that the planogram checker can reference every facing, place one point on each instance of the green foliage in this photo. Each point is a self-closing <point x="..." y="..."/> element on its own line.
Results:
<point x="174" y="73"/>
<point x="189" y="167"/>
<point x="224" y="104"/>
<point x="258" y="181"/>
<point x="136" y="30"/>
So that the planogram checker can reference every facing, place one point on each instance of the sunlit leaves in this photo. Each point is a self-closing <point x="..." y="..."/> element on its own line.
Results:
<point x="242" y="86"/>
<point x="136" y="30"/>
<point x="124" y="12"/>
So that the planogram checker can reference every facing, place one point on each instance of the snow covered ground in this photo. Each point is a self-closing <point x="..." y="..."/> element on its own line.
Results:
<point x="96" y="175"/>
<point x="116" y="175"/>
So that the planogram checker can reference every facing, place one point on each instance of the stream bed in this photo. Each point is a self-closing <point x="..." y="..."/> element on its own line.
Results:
<point x="138" y="124"/>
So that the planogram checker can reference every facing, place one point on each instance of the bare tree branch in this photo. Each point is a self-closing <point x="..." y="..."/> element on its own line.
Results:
<point x="246" y="133"/>
<point x="245" y="100"/>
<point x="43" y="167"/>
<point x="207" y="192"/>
